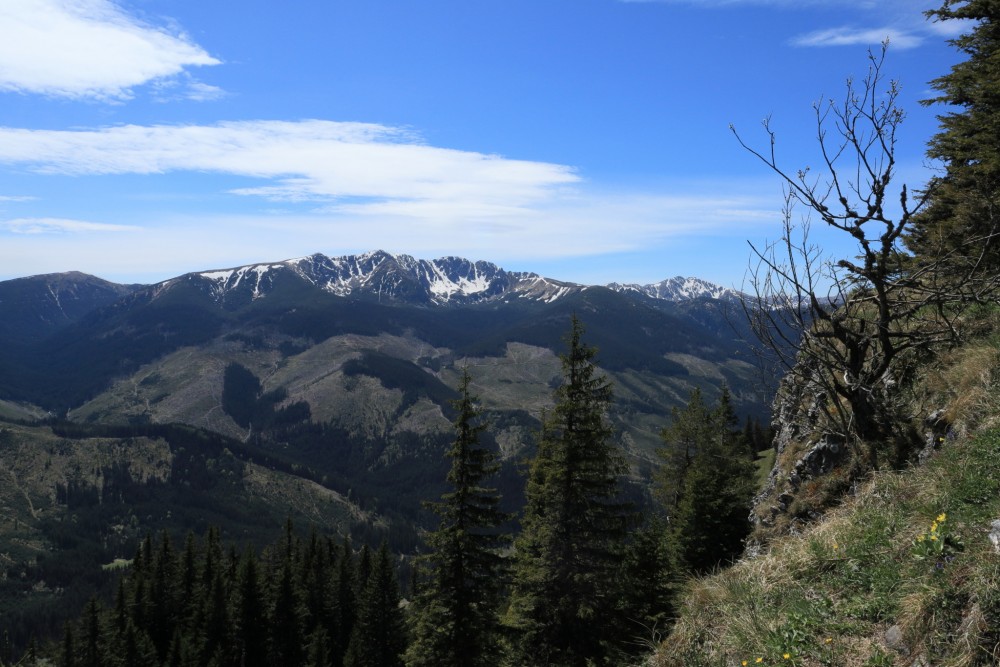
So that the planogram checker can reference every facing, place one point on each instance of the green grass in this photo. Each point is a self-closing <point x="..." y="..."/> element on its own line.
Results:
<point x="909" y="550"/>
<point x="764" y="462"/>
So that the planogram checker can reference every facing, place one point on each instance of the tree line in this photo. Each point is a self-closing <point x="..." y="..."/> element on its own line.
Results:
<point x="585" y="581"/>
<point x="585" y="574"/>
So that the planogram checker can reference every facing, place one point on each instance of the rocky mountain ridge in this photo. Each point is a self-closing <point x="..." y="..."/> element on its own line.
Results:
<point x="52" y="300"/>
<point x="444" y="281"/>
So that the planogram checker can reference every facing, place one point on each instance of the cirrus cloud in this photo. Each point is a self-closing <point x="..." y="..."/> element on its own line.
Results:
<point x="86" y="49"/>
<point x="60" y="226"/>
<point x="311" y="160"/>
<point x="848" y="36"/>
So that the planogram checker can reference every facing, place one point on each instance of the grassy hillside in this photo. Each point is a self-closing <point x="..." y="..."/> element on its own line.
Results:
<point x="900" y="566"/>
<point x="903" y="572"/>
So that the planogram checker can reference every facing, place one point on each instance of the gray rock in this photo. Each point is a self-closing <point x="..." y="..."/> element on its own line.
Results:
<point x="934" y="419"/>
<point x="994" y="535"/>
<point x="894" y="639"/>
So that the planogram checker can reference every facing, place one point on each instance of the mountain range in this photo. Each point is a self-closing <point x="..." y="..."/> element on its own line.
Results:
<point x="368" y="347"/>
<point x="317" y="389"/>
<point x="68" y="340"/>
<point x="401" y="278"/>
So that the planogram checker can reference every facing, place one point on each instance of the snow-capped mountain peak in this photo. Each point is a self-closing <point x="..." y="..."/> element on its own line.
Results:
<point x="384" y="277"/>
<point x="679" y="288"/>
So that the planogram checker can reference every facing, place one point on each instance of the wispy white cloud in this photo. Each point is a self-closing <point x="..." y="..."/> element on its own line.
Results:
<point x="366" y="181"/>
<point x="203" y="92"/>
<point x="565" y="226"/>
<point x="86" y="49"/>
<point x="849" y="36"/>
<point x="308" y="160"/>
<point x="950" y="28"/>
<point x="60" y="226"/>
<point x="346" y="187"/>
<point x="185" y="87"/>
<point x="17" y="198"/>
<point x="902" y="21"/>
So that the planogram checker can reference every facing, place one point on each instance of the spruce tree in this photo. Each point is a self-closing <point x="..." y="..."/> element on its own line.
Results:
<point x="319" y="597"/>
<point x="708" y="507"/>
<point x="690" y="428"/>
<point x="287" y="645"/>
<point x="163" y="597"/>
<point x="379" y="636"/>
<point x="455" y="620"/>
<point x="92" y="648"/>
<point x="565" y="588"/>
<point x="960" y="222"/>
<point x="251" y="626"/>
<point x="68" y="656"/>
<point x="647" y="598"/>
<point x="345" y="609"/>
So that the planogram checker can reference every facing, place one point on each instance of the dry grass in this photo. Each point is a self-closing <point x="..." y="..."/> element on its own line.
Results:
<point x="828" y="595"/>
<point x="965" y="383"/>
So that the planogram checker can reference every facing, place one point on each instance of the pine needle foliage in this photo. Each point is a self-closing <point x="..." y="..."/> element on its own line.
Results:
<point x="297" y="603"/>
<point x="706" y="484"/>
<point x="454" y="618"/>
<point x="379" y="637"/>
<point x="960" y="219"/>
<point x="562" y="607"/>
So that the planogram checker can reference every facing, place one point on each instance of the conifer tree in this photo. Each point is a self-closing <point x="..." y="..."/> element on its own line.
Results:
<point x="68" y="656"/>
<point x="648" y="581"/>
<point x="708" y="511"/>
<point x="163" y="598"/>
<point x="287" y="639"/>
<point x="92" y="654"/>
<point x="215" y="623"/>
<point x="137" y="649"/>
<point x="345" y="610"/>
<point x="455" y="614"/>
<point x="319" y="649"/>
<point x="379" y="636"/>
<point x="318" y="594"/>
<point x="690" y="428"/>
<point x="961" y="218"/>
<point x="250" y="619"/>
<point x="188" y="588"/>
<point x="564" y="594"/>
<point x="178" y="655"/>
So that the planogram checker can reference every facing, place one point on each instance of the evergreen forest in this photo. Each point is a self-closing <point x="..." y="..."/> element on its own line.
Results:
<point x="856" y="533"/>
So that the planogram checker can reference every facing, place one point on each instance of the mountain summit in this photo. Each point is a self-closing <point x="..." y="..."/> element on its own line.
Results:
<point x="388" y="278"/>
<point x="679" y="289"/>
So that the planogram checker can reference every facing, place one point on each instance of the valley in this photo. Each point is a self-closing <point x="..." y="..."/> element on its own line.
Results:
<point x="317" y="390"/>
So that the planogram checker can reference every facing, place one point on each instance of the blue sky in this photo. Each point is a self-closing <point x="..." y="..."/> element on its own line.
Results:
<point x="586" y="140"/>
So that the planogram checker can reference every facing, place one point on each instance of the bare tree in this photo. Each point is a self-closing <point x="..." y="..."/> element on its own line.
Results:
<point x="850" y="325"/>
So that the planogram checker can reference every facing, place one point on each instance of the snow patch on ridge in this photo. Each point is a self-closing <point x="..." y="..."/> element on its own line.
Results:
<point x="447" y="280"/>
<point x="679" y="289"/>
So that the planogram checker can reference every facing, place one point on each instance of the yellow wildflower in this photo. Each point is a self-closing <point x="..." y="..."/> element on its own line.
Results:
<point x="921" y="537"/>
<point x="759" y="660"/>
<point x="786" y="656"/>
<point x="828" y="640"/>
<point x="744" y="663"/>
<point x="941" y="517"/>
<point x="933" y="538"/>
<point x="934" y="527"/>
